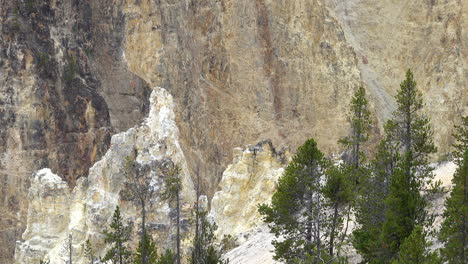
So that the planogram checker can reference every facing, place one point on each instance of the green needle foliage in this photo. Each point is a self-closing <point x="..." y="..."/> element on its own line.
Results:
<point x="89" y="252"/>
<point x="391" y="203"/>
<point x="356" y="172"/>
<point x="149" y="249"/>
<point x="415" y="250"/>
<point x="453" y="232"/>
<point x="118" y="237"/>
<point x="338" y="191"/>
<point x="173" y="186"/>
<point x="412" y="137"/>
<point x="167" y="258"/>
<point x="204" y="251"/>
<point x="298" y="211"/>
<point x="360" y="122"/>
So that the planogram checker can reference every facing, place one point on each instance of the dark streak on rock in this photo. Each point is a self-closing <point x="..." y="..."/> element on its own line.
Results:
<point x="270" y="65"/>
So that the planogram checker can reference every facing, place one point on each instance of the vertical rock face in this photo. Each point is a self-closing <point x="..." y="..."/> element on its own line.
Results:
<point x="430" y="37"/>
<point x="87" y="210"/>
<point x="72" y="73"/>
<point x="63" y="92"/>
<point x="243" y="71"/>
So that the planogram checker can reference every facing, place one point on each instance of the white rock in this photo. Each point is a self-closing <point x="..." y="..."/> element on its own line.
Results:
<point x="87" y="210"/>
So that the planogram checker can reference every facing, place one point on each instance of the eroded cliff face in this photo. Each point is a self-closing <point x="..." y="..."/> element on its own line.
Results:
<point x="243" y="71"/>
<point x="63" y="92"/>
<point x="430" y="37"/>
<point x="73" y="73"/>
<point x="249" y="181"/>
<point x="55" y="212"/>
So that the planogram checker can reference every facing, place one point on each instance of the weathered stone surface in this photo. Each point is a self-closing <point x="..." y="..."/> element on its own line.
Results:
<point x="250" y="180"/>
<point x="242" y="71"/>
<point x="87" y="210"/>
<point x="430" y="37"/>
<point x="63" y="91"/>
<point x="72" y="73"/>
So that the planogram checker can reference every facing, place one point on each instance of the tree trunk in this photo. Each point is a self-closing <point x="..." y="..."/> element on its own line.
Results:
<point x="178" y="227"/>
<point x="143" y="232"/>
<point x="197" y="223"/>
<point x="70" y="248"/>
<point x="332" y="232"/>
<point x="120" y="253"/>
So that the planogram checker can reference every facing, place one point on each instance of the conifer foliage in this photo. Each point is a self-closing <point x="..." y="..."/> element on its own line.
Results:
<point x="412" y="137"/>
<point x="454" y="228"/>
<point x="173" y="187"/>
<point x="118" y="237"/>
<point x="415" y="250"/>
<point x="297" y="212"/>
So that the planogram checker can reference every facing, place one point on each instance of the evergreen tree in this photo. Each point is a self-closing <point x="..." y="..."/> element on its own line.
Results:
<point x="415" y="250"/>
<point x="172" y="190"/>
<point x="338" y="192"/>
<point x="370" y="204"/>
<point x="204" y="251"/>
<point x="298" y="212"/>
<point x="167" y="258"/>
<point x="151" y="251"/>
<point x="360" y="124"/>
<point x="118" y="237"/>
<point x="454" y="229"/>
<point x="412" y="137"/>
<point x="139" y="188"/>
<point x="89" y="252"/>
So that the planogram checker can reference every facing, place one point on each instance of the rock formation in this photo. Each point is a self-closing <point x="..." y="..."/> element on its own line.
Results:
<point x="55" y="212"/>
<point x="250" y="180"/>
<point x="73" y="73"/>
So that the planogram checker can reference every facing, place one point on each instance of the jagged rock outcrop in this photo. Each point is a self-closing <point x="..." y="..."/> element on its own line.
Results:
<point x="250" y="180"/>
<point x="48" y="216"/>
<point x="87" y="210"/>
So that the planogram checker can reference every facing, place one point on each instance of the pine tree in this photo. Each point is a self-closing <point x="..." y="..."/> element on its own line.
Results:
<point x="167" y="258"/>
<point x="118" y="238"/>
<point x="149" y="247"/>
<point x="298" y="212"/>
<point x="360" y="124"/>
<point x="415" y="250"/>
<point x="453" y="232"/>
<point x="139" y="188"/>
<point x="204" y="251"/>
<point x="338" y="192"/>
<point x="370" y="204"/>
<point x="172" y="190"/>
<point x="412" y="134"/>
<point x="89" y="252"/>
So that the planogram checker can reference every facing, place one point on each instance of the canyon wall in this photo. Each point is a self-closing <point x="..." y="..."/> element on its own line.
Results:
<point x="73" y="73"/>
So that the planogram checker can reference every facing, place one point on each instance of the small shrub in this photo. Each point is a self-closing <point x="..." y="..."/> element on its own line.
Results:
<point x="70" y="69"/>
<point x="227" y="243"/>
